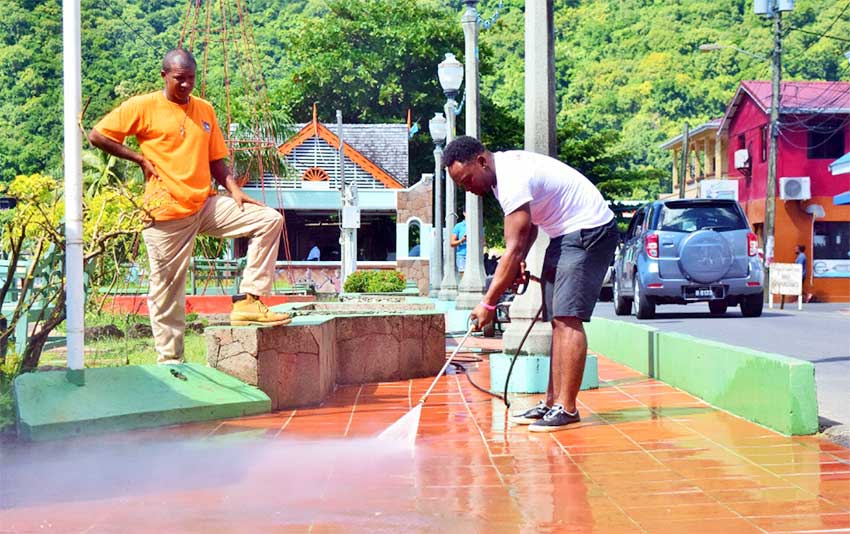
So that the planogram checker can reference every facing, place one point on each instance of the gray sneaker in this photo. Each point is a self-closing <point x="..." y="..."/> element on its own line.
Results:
<point x="555" y="419"/>
<point x="531" y="415"/>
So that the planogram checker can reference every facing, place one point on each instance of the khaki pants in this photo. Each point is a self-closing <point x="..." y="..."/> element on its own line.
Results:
<point x="170" y="245"/>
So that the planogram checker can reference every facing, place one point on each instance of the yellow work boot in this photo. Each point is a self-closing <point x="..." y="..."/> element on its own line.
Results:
<point x="250" y="311"/>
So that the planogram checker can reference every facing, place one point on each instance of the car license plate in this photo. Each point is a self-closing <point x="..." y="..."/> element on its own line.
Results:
<point x="706" y="292"/>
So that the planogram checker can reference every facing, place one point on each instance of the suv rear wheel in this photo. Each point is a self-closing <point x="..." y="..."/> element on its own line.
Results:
<point x="752" y="305"/>
<point x="717" y="307"/>
<point x="644" y="307"/>
<point x="622" y="305"/>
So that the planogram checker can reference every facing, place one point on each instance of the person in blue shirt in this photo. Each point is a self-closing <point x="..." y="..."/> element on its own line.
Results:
<point x="458" y="241"/>
<point x="800" y="257"/>
<point x="315" y="253"/>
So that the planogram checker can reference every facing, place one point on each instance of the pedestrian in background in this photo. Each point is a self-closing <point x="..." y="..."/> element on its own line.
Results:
<point x="458" y="241"/>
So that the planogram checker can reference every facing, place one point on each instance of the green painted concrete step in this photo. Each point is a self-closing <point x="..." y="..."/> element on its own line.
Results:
<point x="112" y="399"/>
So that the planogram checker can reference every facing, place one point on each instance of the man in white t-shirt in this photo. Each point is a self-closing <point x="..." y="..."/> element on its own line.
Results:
<point x="536" y="191"/>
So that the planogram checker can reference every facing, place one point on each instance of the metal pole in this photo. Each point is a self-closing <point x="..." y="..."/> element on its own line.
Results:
<point x="770" y="200"/>
<point x="436" y="268"/>
<point x="75" y="297"/>
<point x="472" y="284"/>
<point x="348" y="192"/>
<point x="448" y="287"/>
<point x="683" y="165"/>
<point x="540" y="138"/>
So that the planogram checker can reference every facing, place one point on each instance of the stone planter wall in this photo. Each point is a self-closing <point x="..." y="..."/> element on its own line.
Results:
<point x="299" y="364"/>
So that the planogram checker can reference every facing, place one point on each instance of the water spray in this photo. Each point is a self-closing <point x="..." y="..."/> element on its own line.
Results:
<point x="405" y="429"/>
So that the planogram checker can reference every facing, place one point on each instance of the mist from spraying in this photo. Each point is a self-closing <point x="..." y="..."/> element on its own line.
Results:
<point x="173" y="484"/>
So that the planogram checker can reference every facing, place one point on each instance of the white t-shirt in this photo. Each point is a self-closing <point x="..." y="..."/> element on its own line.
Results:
<point x="561" y="199"/>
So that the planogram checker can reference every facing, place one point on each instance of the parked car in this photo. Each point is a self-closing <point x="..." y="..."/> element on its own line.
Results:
<point x="685" y="251"/>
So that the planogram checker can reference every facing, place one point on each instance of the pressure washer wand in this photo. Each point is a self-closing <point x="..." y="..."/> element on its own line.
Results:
<point x="448" y="361"/>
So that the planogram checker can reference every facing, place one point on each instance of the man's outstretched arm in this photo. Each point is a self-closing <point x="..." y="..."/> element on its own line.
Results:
<point x="520" y="234"/>
<point x="221" y="173"/>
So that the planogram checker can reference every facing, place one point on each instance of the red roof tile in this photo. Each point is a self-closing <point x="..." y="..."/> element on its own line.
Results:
<point x="794" y="97"/>
<point x="805" y="96"/>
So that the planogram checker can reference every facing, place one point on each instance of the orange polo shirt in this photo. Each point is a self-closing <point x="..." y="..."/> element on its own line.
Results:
<point x="180" y="140"/>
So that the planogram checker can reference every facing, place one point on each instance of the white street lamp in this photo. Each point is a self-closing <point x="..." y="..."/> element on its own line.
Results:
<point x="450" y="73"/>
<point x="438" y="127"/>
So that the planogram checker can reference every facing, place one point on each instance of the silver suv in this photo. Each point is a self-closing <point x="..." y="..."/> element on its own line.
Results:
<point x="684" y="251"/>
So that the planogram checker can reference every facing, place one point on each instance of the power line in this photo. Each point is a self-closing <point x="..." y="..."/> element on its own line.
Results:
<point x="831" y="25"/>
<point x="156" y="50"/>
<point x="820" y="35"/>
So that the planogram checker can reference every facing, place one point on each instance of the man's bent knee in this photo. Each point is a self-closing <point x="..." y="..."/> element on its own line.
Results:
<point x="567" y="322"/>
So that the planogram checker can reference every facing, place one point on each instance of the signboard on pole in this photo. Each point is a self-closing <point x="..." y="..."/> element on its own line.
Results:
<point x="786" y="279"/>
<point x="719" y="189"/>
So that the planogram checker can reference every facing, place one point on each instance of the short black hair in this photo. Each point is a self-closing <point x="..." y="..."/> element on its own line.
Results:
<point x="463" y="149"/>
<point x="178" y="57"/>
<point x="802" y="248"/>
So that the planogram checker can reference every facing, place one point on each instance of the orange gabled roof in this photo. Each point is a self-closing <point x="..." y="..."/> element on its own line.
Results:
<point x="316" y="128"/>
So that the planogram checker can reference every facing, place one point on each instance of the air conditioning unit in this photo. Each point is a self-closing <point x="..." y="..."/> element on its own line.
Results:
<point x="795" y="188"/>
<point x="742" y="159"/>
<point x="786" y="5"/>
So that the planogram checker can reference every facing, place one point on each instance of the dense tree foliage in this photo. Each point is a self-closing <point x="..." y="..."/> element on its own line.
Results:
<point x="628" y="71"/>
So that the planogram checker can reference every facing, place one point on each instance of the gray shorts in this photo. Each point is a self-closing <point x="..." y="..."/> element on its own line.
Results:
<point x="573" y="270"/>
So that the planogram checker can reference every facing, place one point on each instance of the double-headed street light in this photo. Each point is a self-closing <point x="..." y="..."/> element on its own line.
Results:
<point x="450" y="73"/>
<point x="437" y="127"/>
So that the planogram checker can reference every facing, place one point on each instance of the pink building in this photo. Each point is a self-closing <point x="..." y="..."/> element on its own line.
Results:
<point x="813" y="133"/>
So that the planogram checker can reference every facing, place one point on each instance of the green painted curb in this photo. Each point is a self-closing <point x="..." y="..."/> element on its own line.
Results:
<point x="113" y="399"/>
<point x="531" y="373"/>
<point x="627" y="343"/>
<point x="770" y="389"/>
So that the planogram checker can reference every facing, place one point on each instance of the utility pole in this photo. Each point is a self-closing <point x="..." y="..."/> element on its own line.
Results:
<point x="683" y="165"/>
<point x="774" y="11"/>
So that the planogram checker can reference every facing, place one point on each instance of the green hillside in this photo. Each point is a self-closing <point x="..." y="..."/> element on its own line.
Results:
<point x="628" y="71"/>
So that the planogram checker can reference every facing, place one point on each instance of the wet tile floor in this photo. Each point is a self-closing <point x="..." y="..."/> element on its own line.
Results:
<point x="646" y="458"/>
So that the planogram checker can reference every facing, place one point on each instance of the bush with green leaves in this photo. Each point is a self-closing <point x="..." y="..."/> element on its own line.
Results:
<point x="382" y="281"/>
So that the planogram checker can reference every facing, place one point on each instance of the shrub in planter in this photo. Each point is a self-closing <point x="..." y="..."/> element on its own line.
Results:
<point x="374" y="282"/>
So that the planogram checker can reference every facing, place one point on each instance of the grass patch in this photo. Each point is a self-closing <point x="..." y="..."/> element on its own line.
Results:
<point x="110" y="352"/>
<point x="124" y="351"/>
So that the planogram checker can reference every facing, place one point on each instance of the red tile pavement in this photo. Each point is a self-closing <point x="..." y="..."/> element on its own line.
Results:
<point x="645" y="458"/>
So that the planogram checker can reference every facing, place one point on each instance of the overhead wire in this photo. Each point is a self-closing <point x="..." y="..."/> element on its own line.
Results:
<point x="154" y="49"/>
<point x="826" y="32"/>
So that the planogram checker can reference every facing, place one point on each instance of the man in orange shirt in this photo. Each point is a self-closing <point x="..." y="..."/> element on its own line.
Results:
<point x="182" y="148"/>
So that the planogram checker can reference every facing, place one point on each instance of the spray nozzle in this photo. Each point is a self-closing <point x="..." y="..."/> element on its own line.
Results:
<point x="177" y="374"/>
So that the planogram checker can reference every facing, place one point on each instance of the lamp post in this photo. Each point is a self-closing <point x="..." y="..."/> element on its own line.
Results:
<point x="437" y="127"/>
<point x="450" y="72"/>
<point x="472" y="284"/>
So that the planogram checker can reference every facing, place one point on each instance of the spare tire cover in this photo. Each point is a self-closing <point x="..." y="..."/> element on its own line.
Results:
<point x="705" y="256"/>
